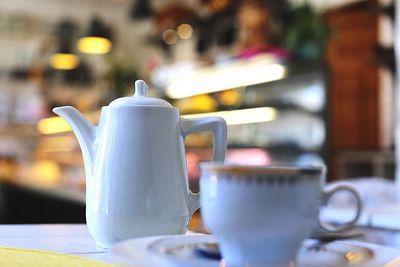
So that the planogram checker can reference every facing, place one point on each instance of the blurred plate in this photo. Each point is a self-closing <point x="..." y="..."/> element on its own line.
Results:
<point x="201" y="251"/>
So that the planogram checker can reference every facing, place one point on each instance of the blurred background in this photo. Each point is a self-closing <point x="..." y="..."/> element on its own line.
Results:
<point x="302" y="82"/>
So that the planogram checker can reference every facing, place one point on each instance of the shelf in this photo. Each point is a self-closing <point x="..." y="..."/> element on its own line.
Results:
<point x="279" y="107"/>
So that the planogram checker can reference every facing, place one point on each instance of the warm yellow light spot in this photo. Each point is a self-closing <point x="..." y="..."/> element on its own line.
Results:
<point x="64" y="61"/>
<point x="241" y="116"/>
<point x="353" y="257"/>
<point x="196" y="104"/>
<point x="169" y="36"/>
<point x="94" y="45"/>
<point x="203" y="103"/>
<point x="53" y="125"/>
<point x="185" y="31"/>
<point x="40" y="172"/>
<point x="230" y="97"/>
<point x="45" y="171"/>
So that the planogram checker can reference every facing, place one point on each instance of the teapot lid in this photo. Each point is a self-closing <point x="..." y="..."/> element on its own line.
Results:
<point x="140" y="98"/>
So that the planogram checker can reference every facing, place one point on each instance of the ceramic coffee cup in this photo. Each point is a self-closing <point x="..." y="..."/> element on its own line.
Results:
<point x="261" y="215"/>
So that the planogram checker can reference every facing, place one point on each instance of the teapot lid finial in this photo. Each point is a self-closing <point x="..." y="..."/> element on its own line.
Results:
<point x="140" y="98"/>
<point x="140" y="88"/>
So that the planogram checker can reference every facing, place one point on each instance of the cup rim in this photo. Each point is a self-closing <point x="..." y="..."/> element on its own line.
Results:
<point x="276" y="169"/>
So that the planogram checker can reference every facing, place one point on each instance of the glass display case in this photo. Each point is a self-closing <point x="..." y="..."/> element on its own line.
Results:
<point x="282" y="121"/>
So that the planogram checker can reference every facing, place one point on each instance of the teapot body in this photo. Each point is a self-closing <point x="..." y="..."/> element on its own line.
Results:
<point x="138" y="186"/>
<point x="135" y="167"/>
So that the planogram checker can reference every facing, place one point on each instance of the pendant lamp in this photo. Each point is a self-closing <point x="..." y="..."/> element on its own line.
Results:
<point x="64" y="58"/>
<point x="98" y="39"/>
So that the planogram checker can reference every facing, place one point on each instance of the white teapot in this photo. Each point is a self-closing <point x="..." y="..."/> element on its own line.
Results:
<point x="135" y="167"/>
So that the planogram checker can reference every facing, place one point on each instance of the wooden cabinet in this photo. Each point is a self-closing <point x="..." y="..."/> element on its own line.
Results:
<point x="355" y="93"/>
<point x="353" y="79"/>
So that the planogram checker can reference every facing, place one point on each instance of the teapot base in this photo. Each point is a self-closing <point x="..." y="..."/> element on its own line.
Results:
<point x="107" y="233"/>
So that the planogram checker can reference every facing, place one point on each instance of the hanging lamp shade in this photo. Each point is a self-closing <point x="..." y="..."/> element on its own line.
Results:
<point x="141" y="9"/>
<point x="98" y="39"/>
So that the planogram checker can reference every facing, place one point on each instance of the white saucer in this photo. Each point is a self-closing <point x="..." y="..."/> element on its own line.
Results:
<point x="178" y="251"/>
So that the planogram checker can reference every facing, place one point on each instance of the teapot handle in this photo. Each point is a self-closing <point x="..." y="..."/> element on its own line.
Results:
<point x="217" y="126"/>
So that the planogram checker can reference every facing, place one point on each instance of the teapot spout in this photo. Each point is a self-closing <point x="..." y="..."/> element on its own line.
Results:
<point x="85" y="133"/>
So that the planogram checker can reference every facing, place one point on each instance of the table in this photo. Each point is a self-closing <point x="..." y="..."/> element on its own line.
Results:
<point x="75" y="239"/>
<point x="64" y="238"/>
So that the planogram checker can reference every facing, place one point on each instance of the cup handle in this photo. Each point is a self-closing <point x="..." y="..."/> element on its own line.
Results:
<point x="327" y="194"/>
<point x="217" y="126"/>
